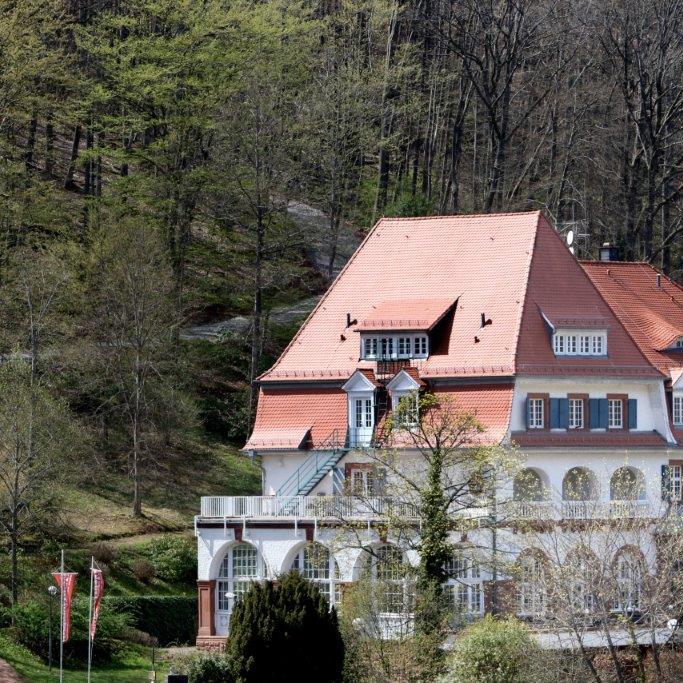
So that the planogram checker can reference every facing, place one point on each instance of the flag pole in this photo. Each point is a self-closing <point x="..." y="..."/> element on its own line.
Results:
<point x="92" y="566"/>
<point x="61" y="621"/>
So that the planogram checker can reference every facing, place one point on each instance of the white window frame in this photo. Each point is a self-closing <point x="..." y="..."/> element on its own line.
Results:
<point x="676" y="481"/>
<point x="536" y="416"/>
<point x="411" y="416"/>
<point x="391" y="346"/>
<point x="613" y="413"/>
<point x="677" y="409"/>
<point x="630" y="572"/>
<point x="580" y="343"/>
<point x="322" y="571"/>
<point x="531" y="594"/>
<point x="464" y="588"/>
<point x="241" y="566"/>
<point x="576" y="413"/>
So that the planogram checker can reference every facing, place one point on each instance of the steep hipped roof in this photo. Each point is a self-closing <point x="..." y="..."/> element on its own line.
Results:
<point x="479" y="260"/>
<point x="652" y="314"/>
<point x="504" y="268"/>
<point x="560" y="293"/>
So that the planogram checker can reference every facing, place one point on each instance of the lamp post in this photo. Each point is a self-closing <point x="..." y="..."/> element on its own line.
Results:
<point x="52" y="590"/>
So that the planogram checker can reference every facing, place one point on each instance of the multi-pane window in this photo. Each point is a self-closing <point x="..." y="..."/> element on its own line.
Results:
<point x="678" y="410"/>
<point x="388" y="569"/>
<point x="406" y="408"/>
<point x="362" y="482"/>
<point x="576" y="413"/>
<point x="536" y="413"/>
<point x="404" y="347"/>
<point x="463" y="589"/>
<point x="615" y="413"/>
<point x="531" y="592"/>
<point x="364" y="412"/>
<point x="629" y="582"/>
<point x="315" y="563"/>
<point x="572" y="344"/>
<point x="392" y="346"/>
<point x="675" y="481"/>
<point x="240" y="567"/>
<point x="420" y="346"/>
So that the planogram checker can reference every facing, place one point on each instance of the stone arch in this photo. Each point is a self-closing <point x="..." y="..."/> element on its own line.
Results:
<point x="580" y="484"/>
<point x="627" y="483"/>
<point x="531" y="484"/>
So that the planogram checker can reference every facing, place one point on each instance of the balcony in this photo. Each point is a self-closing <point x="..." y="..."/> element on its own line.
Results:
<point x="583" y="509"/>
<point x="301" y="507"/>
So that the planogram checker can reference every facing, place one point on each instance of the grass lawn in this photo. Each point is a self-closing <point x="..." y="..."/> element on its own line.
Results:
<point x="132" y="667"/>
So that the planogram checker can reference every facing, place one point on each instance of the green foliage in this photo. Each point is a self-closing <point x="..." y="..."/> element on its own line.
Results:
<point x="31" y="620"/>
<point x="493" y="651"/>
<point x="174" y="558"/>
<point x="170" y="619"/>
<point x="210" y="669"/>
<point x="410" y="204"/>
<point x="278" y="631"/>
<point x="143" y="570"/>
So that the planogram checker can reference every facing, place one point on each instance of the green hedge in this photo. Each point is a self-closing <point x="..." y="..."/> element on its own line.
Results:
<point x="171" y="619"/>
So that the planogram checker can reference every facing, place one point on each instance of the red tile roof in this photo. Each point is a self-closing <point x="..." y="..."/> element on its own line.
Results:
<point x="560" y="291"/>
<point x="480" y="260"/>
<point x="285" y="412"/>
<point x="406" y="314"/>
<point x="652" y="315"/>
<point x="613" y="439"/>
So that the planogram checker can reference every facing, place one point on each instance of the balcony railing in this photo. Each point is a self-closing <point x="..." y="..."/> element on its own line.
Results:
<point x="321" y="507"/>
<point x="584" y="509"/>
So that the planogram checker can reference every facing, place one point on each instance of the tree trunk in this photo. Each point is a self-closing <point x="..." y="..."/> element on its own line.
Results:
<point x="75" y="144"/>
<point x="49" y="146"/>
<point x="257" y="315"/>
<point x="31" y="142"/>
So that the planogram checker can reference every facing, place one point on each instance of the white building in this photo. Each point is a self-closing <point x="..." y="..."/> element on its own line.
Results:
<point x="577" y="364"/>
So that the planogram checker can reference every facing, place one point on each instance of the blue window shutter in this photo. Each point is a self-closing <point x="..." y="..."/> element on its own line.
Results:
<point x="666" y="483"/>
<point x="602" y="412"/>
<point x="528" y="416"/>
<point x="594" y="410"/>
<point x="554" y="413"/>
<point x="632" y="413"/>
<point x="564" y="413"/>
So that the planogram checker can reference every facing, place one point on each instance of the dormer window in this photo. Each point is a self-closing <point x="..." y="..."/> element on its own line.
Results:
<point x="580" y="343"/>
<point x="393" y="346"/>
<point x="404" y="390"/>
<point x="678" y="409"/>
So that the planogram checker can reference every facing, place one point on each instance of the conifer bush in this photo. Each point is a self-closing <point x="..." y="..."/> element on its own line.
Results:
<point x="285" y="631"/>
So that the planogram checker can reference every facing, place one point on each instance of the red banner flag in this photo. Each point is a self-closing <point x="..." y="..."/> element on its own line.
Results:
<point x="98" y="590"/>
<point x="67" y="592"/>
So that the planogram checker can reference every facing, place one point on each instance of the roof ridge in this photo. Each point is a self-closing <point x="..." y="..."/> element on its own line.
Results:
<point x="525" y="294"/>
<point x="457" y="215"/>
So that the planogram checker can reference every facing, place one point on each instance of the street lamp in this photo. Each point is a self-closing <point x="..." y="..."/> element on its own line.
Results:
<point x="52" y="590"/>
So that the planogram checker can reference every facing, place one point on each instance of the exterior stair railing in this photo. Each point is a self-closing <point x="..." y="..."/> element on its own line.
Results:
<point x="314" y="468"/>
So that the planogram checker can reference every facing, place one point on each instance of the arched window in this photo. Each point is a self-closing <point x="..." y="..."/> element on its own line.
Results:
<point x="531" y="589"/>
<point x="582" y="574"/>
<point x="528" y="486"/>
<point x="315" y="563"/>
<point x="463" y="588"/>
<point x="629" y="571"/>
<point x="579" y="484"/>
<point x="392" y="585"/>
<point x="240" y="567"/>
<point x="627" y="483"/>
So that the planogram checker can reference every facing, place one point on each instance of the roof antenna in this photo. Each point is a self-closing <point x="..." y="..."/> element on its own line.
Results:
<point x="485" y="321"/>
<point x="348" y="320"/>
<point x="659" y="281"/>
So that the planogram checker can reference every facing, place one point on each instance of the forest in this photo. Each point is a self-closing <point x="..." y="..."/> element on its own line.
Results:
<point x="157" y="156"/>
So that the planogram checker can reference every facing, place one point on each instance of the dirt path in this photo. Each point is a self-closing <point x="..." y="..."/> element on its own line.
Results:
<point x="8" y="674"/>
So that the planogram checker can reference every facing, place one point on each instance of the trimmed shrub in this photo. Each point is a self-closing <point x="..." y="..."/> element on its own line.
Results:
<point x="31" y="620"/>
<point x="279" y="630"/>
<point x="493" y="651"/>
<point x="103" y="552"/>
<point x="143" y="571"/>
<point x="174" y="559"/>
<point x="210" y="669"/>
<point x="171" y="619"/>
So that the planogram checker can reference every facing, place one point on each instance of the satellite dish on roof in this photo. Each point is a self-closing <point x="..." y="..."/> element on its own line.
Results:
<point x="570" y="237"/>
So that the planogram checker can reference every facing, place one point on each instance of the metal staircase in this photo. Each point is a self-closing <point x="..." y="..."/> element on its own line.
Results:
<point x="316" y="466"/>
